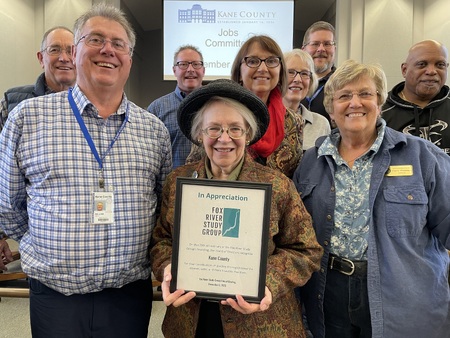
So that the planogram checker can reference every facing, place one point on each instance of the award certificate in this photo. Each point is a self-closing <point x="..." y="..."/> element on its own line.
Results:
<point x="220" y="238"/>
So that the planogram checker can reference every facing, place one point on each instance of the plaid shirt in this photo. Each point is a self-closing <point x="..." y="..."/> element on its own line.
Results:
<point x="165" y="108"/>
<point x="47" y="175"/>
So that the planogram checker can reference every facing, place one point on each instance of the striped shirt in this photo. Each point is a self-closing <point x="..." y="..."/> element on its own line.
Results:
<point x="48" y="174"/>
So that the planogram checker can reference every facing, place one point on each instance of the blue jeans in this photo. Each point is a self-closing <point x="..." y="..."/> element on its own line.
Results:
<point x="346" y="306"/>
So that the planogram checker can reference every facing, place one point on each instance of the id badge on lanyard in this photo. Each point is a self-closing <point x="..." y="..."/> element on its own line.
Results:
<point x="102" y="198"/>
<point x="102" y="206"/>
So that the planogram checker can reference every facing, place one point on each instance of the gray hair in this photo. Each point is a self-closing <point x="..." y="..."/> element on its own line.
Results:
<point x="306" y="58"/>
<point x="108" y="12"/>
<point x="351" y="71"/>
<point x="185" y="47"/>
<point x="44" y="38"/>
<point x="246" y="113"/>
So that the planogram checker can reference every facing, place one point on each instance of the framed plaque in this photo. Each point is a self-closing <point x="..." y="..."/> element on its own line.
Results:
<point x="220" y="238"/>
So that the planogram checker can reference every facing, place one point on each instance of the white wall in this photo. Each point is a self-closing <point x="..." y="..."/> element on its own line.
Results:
<point x="382" y="31"/>
<point x="23" y="23"/>
<point x="18" y="39"/>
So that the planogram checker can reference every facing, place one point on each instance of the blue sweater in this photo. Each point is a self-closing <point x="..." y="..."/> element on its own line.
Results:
<point x="409" y="233"/>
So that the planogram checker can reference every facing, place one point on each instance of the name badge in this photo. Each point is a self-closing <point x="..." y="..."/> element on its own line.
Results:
<point x="102" y="207"/>
<point x="400" y="170"/>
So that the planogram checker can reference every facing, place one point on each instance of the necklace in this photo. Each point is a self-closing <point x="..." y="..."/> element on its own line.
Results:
<point x="402" y="95"/>
<point x="420" y="104"/>
<point x="351" y="161"/>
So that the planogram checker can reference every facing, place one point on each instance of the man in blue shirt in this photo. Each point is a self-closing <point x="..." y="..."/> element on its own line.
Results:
<point x="189" y="70"/>
<point x="63" y="155"/>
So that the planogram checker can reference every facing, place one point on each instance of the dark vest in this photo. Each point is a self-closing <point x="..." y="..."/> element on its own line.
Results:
<point x="14" y="96"/>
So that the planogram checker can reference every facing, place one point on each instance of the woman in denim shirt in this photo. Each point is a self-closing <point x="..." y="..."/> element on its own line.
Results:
<point x="379" y="201"/>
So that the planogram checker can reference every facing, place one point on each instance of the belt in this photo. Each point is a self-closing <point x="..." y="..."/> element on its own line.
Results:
<point x="347" y="266"/>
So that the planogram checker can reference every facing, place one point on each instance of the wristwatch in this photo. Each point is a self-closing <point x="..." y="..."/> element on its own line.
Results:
<point x="3" y="235"/>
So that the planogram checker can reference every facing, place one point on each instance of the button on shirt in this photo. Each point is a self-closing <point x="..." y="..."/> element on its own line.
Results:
<point x="48" y="174"/>
<point x="351" y="223"/>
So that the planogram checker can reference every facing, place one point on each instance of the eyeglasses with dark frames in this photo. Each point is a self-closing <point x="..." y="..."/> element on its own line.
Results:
<point x="255" y="62"/>
<point x="304" y="74"/>
<point x="185" y="64"/>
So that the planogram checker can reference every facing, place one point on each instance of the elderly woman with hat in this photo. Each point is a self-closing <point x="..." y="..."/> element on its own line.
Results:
<point x="225" y="118"/>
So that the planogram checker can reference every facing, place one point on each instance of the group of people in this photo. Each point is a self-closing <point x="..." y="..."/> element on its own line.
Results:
<point x="359" y="221"/>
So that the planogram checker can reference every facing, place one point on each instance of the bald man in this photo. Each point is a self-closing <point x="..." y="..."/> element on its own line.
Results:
<point x="420" y="105"/>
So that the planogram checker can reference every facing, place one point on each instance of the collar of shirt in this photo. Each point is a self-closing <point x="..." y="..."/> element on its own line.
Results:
<point x="83" y="102"/>
<point x="331" y="143"/>
<point x="232" y="177"/>
<point x="179" y="93"/>
<point x="306" y="114"/>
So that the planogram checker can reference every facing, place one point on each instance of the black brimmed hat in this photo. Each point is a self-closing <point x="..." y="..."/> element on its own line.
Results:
<point x="223" y="88"/>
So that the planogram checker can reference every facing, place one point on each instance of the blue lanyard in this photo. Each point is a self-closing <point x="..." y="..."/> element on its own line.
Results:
<point x="310" y="99"/>
<point x="88" y="137"/>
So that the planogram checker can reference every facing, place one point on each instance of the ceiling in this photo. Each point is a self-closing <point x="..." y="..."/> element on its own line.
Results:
<point x="148" y="13"/>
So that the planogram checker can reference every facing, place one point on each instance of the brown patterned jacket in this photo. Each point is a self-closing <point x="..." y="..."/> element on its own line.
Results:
<point x="293" y="255"/>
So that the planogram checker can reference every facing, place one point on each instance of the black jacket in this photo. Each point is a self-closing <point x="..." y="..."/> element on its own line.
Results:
<point x="431" y="122"/>
<point x="315" y="104"/>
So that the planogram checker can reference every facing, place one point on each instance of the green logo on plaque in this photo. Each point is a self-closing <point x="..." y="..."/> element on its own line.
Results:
<point x="231" y="220"/>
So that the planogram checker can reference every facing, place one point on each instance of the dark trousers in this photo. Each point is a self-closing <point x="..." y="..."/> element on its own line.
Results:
<point x="346" y="306"/>
<point x="123" y="312"/>
<point x="209" y="322"/>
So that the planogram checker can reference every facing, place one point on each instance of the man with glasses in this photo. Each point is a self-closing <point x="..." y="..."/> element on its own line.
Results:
<point x="189" y="70"/>
<point x="319" y="42"/>
<point x="62" y="156"/>
<point x="59" y="74"/>
<point x="420" y="105"/>
<point x="55" y="57"/>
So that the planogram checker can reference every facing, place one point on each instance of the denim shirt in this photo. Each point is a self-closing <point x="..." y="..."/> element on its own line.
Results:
<point x="352" y="213"/>
<point x="409" y="232"/>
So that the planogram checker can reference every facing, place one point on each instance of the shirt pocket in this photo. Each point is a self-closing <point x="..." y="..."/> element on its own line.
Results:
<point x="305" y="190"/>
<point x="406" y="210"/>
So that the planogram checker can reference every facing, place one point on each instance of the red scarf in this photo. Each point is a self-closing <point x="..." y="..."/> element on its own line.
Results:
<point x="275" y="132"/>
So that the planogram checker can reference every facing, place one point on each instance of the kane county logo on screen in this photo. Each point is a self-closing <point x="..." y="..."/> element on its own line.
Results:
<point x="196" y="15"/>
<point x="222" y="222"/>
